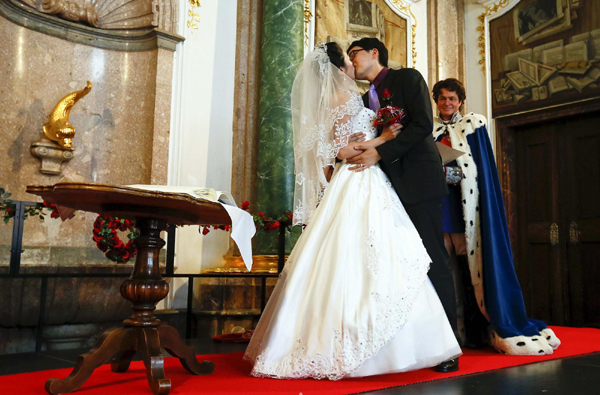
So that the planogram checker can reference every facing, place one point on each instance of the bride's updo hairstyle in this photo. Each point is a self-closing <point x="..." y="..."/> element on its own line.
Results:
<point x="336" y="54"/>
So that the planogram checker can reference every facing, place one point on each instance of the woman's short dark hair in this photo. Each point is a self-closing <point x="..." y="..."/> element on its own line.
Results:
<point x="336" y="54"/>
<point x="452" y="85"/>
<point x="370" y="43"/>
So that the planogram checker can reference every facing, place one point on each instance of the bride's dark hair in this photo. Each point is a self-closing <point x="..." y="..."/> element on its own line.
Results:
<point x="336" y="54"/>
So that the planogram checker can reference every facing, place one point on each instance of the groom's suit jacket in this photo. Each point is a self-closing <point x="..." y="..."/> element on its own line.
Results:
<point x="411" y="160"/>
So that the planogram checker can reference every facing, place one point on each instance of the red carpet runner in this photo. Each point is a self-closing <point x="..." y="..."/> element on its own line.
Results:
<point x="231" y="374"/>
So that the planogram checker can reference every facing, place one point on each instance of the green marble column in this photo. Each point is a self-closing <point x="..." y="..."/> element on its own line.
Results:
<point x="282" y="52"/>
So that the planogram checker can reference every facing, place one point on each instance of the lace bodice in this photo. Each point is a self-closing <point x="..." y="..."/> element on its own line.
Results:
<point x="363" y="122"/>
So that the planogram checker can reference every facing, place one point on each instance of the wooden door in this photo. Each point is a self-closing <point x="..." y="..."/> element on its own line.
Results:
<point x="558" y="210"/>
<point x="581" y="202"/>
<point x="539" y="234"/>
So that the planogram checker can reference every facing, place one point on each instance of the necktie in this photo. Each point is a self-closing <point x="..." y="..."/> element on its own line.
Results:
<point x="373" y="99"/>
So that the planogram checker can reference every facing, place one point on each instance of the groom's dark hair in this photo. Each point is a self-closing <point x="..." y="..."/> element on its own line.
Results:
<point x="370" y="43"/>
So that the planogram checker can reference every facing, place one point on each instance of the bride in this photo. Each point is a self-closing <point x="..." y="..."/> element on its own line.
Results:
<point x="354" y="298"/>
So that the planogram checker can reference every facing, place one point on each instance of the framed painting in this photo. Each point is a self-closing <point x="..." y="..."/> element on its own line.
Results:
<point x="544" y="53"/>
<point x="344" y="21"/>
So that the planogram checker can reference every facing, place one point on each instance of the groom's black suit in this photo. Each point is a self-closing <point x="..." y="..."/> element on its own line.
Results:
<point x="413" y="165"/>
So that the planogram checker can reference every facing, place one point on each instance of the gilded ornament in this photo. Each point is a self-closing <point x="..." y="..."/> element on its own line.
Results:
<point x="554" y="234"/>
<point x="307" y="18"/>
<point x="194" y="17"/>
<point x="481" y="28"/>
<point x="406" y="8"/>
<point x="235" y="264"/>
<point x="57" y="127"/>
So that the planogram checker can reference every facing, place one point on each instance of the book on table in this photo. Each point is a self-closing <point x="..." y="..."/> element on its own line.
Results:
<point x="205" y="193"/>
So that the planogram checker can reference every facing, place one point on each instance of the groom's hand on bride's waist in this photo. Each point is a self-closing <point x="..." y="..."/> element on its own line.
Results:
<point x="357" y="137"/>
<point x="368" y="158"/>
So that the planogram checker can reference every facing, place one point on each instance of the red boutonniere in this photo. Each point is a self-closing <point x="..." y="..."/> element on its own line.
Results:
<point x="386" y="94"/>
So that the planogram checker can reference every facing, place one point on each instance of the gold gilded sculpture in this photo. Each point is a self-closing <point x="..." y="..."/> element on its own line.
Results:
<point x="57" y="127"/>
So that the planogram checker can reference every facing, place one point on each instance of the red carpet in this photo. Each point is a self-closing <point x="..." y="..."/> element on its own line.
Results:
<point x="231" y="374"/>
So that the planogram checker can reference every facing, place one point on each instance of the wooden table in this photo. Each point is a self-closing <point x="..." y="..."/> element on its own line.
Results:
<point x="142" y="332"/>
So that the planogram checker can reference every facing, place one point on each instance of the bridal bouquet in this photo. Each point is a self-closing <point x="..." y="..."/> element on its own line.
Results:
<point x="388" y="115"/>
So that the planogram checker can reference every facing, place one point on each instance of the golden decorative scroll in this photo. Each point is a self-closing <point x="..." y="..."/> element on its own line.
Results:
<point x="406" y="8"/>
<point x="57" y="127"/>
<point x="194" y="17"/>
<point x="481" y="28"/>
<point x="307" y="17"/>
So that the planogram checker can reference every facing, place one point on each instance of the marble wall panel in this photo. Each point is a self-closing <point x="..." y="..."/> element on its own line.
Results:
<point x="446" y="42"/>
<point x="162" y="117"/>
<point x="122" y="124"/>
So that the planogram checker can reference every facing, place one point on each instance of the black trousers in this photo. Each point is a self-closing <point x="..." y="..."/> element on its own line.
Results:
<point x="427" y="218"/>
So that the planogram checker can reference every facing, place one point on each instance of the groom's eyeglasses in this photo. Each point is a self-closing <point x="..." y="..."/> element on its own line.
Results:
<point x="352" y="54"/>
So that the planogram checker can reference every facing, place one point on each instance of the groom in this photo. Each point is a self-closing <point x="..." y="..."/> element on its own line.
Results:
<point x="411" y="160"/>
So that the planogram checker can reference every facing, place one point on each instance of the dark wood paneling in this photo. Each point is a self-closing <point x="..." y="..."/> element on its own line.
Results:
<point x="550" y="166"/>
<point x="538" y="191"/>
<point x="581" y="161"/>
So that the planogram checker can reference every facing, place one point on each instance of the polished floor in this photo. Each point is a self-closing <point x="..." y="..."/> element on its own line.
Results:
<point x="576" y="375"/>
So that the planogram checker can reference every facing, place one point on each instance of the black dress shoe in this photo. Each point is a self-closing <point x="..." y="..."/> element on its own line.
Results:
<point x="448" y="366"/>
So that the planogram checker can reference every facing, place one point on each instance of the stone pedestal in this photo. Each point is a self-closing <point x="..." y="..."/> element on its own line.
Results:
<point x="51" y="155"/>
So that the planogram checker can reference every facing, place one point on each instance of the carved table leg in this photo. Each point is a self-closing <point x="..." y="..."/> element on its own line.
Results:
<point x="149" y="347"/>
<point x="111" y="342"/>
<point x="121" y="362"/>
<point x="143" y="332"/>
<point x="172" y="342"/>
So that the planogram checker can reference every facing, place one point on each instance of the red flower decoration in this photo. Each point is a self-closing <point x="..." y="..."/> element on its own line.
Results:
<point x="53" y="209"/>
<point x="389" y="115"/>
<point x="386" y="94"/>
<point x="261" y="221"/>
<point x="107" y="239"/>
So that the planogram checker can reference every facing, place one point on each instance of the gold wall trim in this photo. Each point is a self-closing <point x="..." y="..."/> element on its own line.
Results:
<point x="307" y="18"/>
<point x="194" y="16"/>
<point x="481" y="28"/>
<point x="406" y="8"/>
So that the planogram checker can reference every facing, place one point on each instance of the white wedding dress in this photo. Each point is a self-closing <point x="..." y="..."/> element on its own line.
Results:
<point x="354" y="298"/>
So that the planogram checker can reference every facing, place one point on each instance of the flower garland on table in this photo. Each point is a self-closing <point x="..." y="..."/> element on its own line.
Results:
<point x="105" y="227"/>
<point x="108" y="241"/>
<point x="10" y="209"/>
<point x="261" y="222"/>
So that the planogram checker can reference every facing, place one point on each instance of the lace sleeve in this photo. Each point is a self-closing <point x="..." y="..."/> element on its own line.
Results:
<point x="344" y="116"/>
<point x="324" y="102"/>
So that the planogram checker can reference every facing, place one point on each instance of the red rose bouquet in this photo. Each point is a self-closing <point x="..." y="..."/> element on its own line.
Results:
<point x="388" y="115"/>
